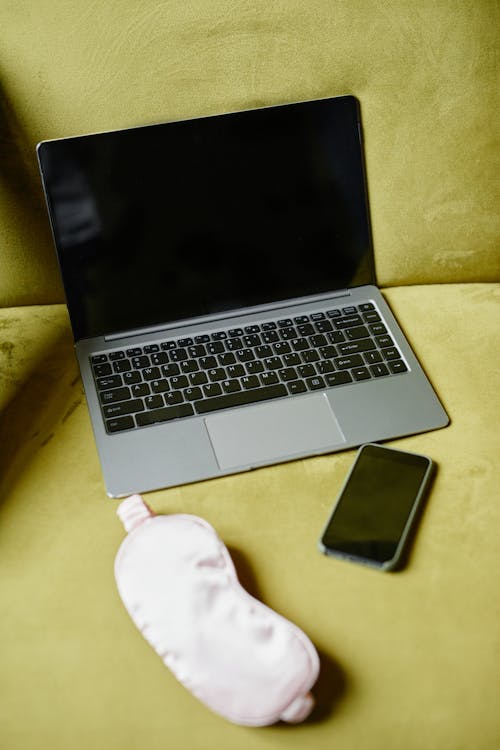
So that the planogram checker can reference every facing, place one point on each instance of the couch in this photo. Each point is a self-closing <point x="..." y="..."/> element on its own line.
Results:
<point x="408" y="660"/>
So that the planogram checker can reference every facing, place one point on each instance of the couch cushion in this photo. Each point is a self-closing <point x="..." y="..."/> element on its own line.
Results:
<point x="425" y="76"/>
<point x="408" y="659"/>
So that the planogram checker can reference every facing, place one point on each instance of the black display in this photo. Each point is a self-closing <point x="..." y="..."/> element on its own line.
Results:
<point x="370" y="518"/>
<point x="166" y="222"/>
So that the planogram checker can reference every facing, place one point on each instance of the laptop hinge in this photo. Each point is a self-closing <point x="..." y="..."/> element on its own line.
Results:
<point x="226" y="315"/>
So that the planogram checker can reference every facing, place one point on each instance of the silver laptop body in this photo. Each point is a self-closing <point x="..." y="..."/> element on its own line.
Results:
<point x="225" y="367"/>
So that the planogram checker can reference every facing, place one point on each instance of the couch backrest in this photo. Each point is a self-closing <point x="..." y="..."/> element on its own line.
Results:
<point x="425" y="73"/>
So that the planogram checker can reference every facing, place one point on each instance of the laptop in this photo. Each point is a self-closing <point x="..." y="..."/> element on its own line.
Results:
<point x="220" y="284"/>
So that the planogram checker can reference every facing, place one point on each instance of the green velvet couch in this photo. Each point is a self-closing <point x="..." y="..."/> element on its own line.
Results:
<point x="409" y="660"/>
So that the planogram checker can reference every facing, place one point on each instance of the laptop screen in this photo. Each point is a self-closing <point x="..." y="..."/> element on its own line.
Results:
<point x="166" y="222"/>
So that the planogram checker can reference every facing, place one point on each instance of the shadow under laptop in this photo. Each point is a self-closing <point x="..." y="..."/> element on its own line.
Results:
<point x="332" y="682"/>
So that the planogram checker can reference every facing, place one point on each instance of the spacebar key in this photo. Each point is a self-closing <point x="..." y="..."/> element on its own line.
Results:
<point x="164" y="414"/>
<point x="240" y="398"/>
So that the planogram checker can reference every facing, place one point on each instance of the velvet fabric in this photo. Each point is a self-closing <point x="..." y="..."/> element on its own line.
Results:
<point x="407" y="660"/>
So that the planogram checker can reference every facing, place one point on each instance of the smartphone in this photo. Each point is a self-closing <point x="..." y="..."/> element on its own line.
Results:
<point x="372" y="518"/>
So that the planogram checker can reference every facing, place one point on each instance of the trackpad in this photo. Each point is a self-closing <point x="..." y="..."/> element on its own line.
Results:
<point x="273" y="431"/>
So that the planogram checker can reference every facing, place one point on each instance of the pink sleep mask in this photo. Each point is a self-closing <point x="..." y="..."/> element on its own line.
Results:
<point x="179" y="585"/>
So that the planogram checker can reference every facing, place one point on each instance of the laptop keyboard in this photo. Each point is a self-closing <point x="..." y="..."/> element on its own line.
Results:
<point x="182" y="377"/>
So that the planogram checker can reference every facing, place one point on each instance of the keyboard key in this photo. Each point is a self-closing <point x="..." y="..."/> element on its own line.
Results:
<point x="198" y="350"/>
<point x="235" y="371"/>
<point x="269" y="337"/>
<point x="102" y="370"/>
<point x="245" y="355"/>
<point x="140" y="389"/>
<point x="269" y="378"/>
<point x="333" y="313"/>
<point x="252" y="329"/>
<point x="285" y="323"/>
<point x="131" y="377"/>
<point x="327" y="352"/>
<point x="219" y="335"/>
<point x="254" y="367"/>
<point x="160" y="386"/>
<point x="273" y="363"/>
<point x="151" y="349"/>
<point x="299" y="345"/>
<point x="281" y="347"/>
<point x="172" y="398"/>
<point x="360" y="373"/>
<point x="250" y="381"/>
<point x="231" y="386"/>
<point x="288" y="373"/>
<point x="324" y="367"/>
<point x="306" y="371"/>
<point x="234" y="344"/>
<point x="269" y="326"/>
<point x="207" y="362"/>
<point x="126" y="407"/>
<point x="226" y="359"/>
<point x="113" y="381"/>
<point x="135" y="352"/>
<point x="318" y="316"/>
<point x="239" y="399"/>
<point x="314" y="383"/>
<point x="116" y="355"/>
<point x="296" y="386"/>
<point x="198" y="378"/>
<point x="116" y="394"/>
<point x="324" y="326"/>
<point x="202" y="339"/>
<point x="179" y="381"/>
<point x="338" y="378"/>
<point x="189" y="365"/>
<point x="290" y="360"/>
<point x="300" y="319"/>
<point x="151" y="373"/>
<point x="165" y="414"/>
<point x="364" y="345"/>
<point x="177" y="355"/>
<point x="185" y="342"/>
<point x="371" y="317"/>
<point x="391" y="353"/>
<point x="168" y="345"/>
<point x="122" y="365"/>
<point x="265" y="351"/>
<point x="318" y="340"/>
<point x="384" y="341"/>
<point x="235" y="332"/>
<point x="153" y="402"/>
<point x="351" y="310"/>
<point x="252" y="340"/>
<point x="139" y="362"/>
<point x="288" y="333"/>
<point x="306" y="330"/>
<point x="396" y="366"/>
<point x="379" y="370"/>
<point x="348" y="322"/>
<point x="377" y="329"/>
<point x="212" y="389"/>
<point x="336" y="337"/>
<point x="121" y="423"/>
<point x="372" y="357"/>
<point x="310" y="355"/>
<point x="367" y="306"/>
<point x="358" y="332"/>
<point x="215" y="347"/>
<point x="343" y="363"/>
<point x="217" y="373"/>
<point x="168" y="371"/>
<point x="161" y="358"/>
<point x="191" y="394"/>
<point x="99" y="359"/>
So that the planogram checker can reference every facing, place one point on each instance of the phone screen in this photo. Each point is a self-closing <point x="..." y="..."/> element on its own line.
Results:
<point x="376" y="506"/>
